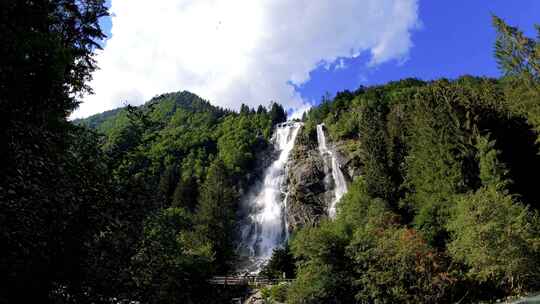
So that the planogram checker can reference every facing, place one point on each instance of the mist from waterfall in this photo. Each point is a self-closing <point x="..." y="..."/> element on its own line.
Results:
<point x="331" y="164"/>
<point x="265" y="226"/>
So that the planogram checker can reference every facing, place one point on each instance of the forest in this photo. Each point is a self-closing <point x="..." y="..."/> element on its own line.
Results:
<point x="140" y="203"/>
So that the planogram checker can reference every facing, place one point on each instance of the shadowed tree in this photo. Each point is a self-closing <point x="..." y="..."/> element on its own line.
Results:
<point x="46" y="59"/>
<point x="216" y="213"/>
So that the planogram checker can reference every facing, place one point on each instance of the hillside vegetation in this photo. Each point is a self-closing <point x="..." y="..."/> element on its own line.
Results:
<point x="446" y="205"/>
<point x="140" y="203"/>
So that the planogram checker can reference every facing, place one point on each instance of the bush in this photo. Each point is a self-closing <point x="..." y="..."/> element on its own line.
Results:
<point x="278" y="292"/>
<point x="281" y="262"/>
<point x="396" y="265"/>
<point x="497" y="239"/>
<point x="171" y="264"/>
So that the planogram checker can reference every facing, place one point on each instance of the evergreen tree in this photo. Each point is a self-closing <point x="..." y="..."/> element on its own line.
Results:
<point x="185" y="194"/>
<point x="167" y="183"/>
<point x="516" y="54"/>
<point x="434" y="164"/>
<point x="492" y="171"/>
<point x="261" y="109"/>
<point x="277" y="113"/>
<point x="216" y="213"/>
<point x="51" y="171"/>
<point x="280" y="265"/>
<point x="375" y="155"/>
<point x="244" y="109"/>
<point x="518" y="57"/>
<point x="496" y="238"/>
<point x="171" y="264"/>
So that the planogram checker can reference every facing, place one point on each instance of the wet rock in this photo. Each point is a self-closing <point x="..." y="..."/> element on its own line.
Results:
<point x="307" y="201"/>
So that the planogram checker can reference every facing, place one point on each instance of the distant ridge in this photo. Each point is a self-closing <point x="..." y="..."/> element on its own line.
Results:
<point x="162" y="106"/>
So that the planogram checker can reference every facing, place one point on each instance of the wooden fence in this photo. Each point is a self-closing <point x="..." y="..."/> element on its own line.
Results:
<point x="246" y="280"/>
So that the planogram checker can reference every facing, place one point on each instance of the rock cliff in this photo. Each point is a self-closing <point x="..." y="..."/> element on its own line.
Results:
<point x="306" y="202"/>
<point x="309" y="192"/>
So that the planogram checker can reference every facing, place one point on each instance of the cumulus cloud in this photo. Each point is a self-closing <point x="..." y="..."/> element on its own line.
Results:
<point x="240" y="51"/>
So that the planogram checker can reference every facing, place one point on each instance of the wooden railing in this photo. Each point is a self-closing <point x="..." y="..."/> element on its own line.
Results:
<point x="246" y="280"/>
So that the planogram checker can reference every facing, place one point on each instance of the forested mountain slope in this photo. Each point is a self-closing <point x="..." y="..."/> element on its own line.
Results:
<point x="444" y="200"/>
<point x="140" y="203"/>
<point x="444" y="204"/>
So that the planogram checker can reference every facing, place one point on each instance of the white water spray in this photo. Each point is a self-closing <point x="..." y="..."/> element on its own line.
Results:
<point x="266" y="223"/>
<point x="340" y="185"/>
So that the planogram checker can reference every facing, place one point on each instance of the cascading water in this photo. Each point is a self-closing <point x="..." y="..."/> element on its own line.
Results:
<point x="340" y="185"/>
<point x="265" y="226"/>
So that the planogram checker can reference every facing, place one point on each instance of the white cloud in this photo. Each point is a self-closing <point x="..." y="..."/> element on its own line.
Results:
<point x="234" y="51"/>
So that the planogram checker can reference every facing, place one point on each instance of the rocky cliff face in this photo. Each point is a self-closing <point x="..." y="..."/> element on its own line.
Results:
<point x="306" y="202"/>
<point x="309" y="192"/>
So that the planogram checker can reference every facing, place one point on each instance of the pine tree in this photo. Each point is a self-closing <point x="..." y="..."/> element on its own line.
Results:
<point x="519" y="59"/>
<point x="516" y="54"/>
<point x="373" y="129"/>
<point x="434" y="163"/>
<point x="216" y="213"/>
<point x="244" y="109"/>
<point x="185" y="194"/>
<point x="496" y="237"/>
<point x="492" y="171"/>
<point x="167" y="183"/>
<point x="51" y="183"/>
<point x="261" y="110"/>
<point x="277" y="113"/>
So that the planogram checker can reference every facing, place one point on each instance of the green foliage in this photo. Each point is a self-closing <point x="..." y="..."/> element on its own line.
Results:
<point x="519" y="59"/>
<point x="280" y="265"/>
<point x="375" y="155"/>
<point x="433" y="216"/>
<point x="516" y="54"/>
<point x="139" y="203"/>
<point x="167" y="183"/>
<point x="215" y="215"/>
<point x="74" y="197"/>
<point x="364" y="256"/>
<point x="275" y="293"/>
<point x="185" y="194"/>
<point x="277" y="113"/>
<point x="50" y="169"/>
<point x="434" y="164"/>
<point x="172" y="264"/>
<point x="177" y="150"/>
<point x="492" y="171"/>
<point x="235" y="143"/>
<point x="357" y="208"/>
<point x="279" y="292"/>
<point x="322" y="266"/>
<point x="395" y="265"/>
<point x="319" y="283"/>
<point x="266" y="296"/>
<point x="497" y="239"/>
<point x="174" y="147"/>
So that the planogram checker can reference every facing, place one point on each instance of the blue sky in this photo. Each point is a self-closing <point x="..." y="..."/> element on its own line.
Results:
<point x="453" y="40"/>
<point x="252" y="52"/>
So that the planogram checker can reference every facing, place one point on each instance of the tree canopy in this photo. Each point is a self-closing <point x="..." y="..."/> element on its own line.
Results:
<point x="141" y="203"/>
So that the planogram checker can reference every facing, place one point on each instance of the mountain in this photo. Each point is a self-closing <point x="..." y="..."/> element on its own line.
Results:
<point x="163" y="107"/>
<point x="440" y="189"/>
<point x="431" y="168"/>
<point x="408" y="192"/>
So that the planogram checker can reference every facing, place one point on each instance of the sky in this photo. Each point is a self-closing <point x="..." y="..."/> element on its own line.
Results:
<point x="243" y="51"/>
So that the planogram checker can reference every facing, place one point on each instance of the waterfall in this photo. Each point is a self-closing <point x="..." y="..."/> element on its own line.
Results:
<point x="265" y="225"/>
<point x="339" y="183"/>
